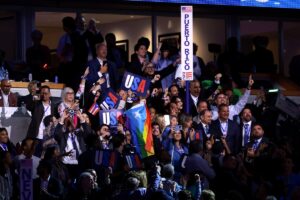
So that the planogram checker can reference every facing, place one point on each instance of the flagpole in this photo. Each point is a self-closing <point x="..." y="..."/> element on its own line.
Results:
<point x="186" y="46"/>
<point x="187" y="97"/>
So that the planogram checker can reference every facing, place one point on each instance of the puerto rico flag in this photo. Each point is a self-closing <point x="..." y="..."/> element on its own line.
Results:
<point x="94" y="109"/>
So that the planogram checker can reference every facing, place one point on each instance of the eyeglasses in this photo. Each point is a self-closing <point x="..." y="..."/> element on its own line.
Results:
<point x="44" y="93"/>
<point x="70" y="93"/>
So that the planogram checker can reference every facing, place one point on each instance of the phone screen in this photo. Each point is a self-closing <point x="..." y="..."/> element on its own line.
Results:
<point x="167" y="120"/>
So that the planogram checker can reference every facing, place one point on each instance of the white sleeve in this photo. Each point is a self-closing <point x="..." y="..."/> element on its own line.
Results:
<point x="238" y="107"/>
<point x="215" y="114"/>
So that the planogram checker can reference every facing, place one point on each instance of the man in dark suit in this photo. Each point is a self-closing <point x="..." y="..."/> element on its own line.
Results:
<point x="39" y="110"/>
<point x="28" y="99"/>
<point x="7" y="99"/>
<point x="46" y="187"/>
<point x="246" y="126"/>
<point x="101" y="70"/>
<point x="223" y="127"/>
<point x="202" y="105"/>
<point x="204" y="126"/>
<point x="71" y="140"/>
<point x="258" y="145"/>
<point x="197" y="93"/>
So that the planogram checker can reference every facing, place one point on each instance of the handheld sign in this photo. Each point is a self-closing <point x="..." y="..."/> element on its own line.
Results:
<point x="187" y="43"/>
<point x="110" y="100"/>
<point x="110" y="117"/>
<point x="26" y="192"/>
<point x="135" y="83"/>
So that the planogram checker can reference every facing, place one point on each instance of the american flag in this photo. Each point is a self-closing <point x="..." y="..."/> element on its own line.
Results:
<point x="94" y="109"/>
<point x="187" y="8"/>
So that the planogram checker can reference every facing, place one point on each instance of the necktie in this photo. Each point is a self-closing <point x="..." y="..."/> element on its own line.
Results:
<point x="246" y="134"/>
<point x="255" y="145"/>
<point x="206" y="129"/>
<point x="75" y="144"/>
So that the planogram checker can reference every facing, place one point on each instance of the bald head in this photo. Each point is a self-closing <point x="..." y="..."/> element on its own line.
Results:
<point x="195" y="88"/>
<point x="5" y="86"/>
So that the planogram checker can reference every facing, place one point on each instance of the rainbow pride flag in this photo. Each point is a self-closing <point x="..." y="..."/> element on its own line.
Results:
<point x="138" y="121"/>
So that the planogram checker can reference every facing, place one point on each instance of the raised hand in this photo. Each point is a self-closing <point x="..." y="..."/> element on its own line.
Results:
<point x="250" y="82"/>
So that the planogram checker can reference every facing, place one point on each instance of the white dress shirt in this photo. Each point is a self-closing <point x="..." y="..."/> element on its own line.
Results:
<point x="195" y="100"/>
<point x="224" y="127"/>
<point x="47" y="112"/>
<point x="5" y="100"/>
<point x="71" y="160"/>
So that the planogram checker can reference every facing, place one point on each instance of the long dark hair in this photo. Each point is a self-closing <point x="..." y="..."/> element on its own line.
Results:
<point x="3" y="155"/>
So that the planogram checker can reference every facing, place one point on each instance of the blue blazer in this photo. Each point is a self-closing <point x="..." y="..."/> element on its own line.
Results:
<point x="93" y="76"/>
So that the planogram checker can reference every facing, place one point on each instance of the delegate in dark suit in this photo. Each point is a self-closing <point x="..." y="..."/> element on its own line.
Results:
<point x="61" y="136"/>
<point x="204" y="136"/>
<point x="94" y="68"/>
<point x="197" y="93"/>
<point x="37" y="113"/>
<point x="232" y="136"/>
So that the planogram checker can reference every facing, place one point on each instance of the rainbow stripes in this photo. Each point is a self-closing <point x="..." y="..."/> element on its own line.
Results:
<point x="139" y="123"/>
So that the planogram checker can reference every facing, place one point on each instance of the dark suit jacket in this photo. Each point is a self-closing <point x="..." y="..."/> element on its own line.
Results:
<point x="55" y="189"/>
<point x="264" y="141"/>
<point x="93" y="76"/>
<point x="28" y="99"/>
<point x="37" y="113"/>
<point x="61" y="136"/>
<point x="233" y="134"/>
<point x="135" y="67"/>
<point x="12" y="99"/>
<point x="200" y="129"/>
<point x="204" y="94"/>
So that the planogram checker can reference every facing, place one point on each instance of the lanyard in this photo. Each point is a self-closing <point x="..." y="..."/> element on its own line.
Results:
<point x="4" y="147"/>
<point x="224" y="129"/>
<point x="46" y="109"/>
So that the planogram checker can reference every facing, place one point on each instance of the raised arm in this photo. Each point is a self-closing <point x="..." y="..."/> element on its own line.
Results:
<point x="238" y="107"/>
<point x="156" y="54"/>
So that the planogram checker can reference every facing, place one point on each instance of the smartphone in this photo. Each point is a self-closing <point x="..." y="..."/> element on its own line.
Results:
<point x="167" y="120"/>
<point x="178" y="128"/>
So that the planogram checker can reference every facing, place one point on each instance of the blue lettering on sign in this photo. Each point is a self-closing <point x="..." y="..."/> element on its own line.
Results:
<point x="109" y="102"/>
<point x="135" y="84"/>
<point x="26" y="183"/>
<point x="110" y="117"/>
<point x="186" y="43"/>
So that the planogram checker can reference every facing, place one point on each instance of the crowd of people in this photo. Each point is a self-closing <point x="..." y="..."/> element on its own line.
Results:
<point x="221" y="148"/>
